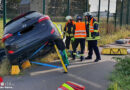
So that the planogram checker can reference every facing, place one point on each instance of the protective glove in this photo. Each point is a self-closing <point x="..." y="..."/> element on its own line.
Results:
<point x="72" y="39"/>
<point x="93" y="34"/>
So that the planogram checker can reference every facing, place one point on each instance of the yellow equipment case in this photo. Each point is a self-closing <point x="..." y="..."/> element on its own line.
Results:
<point x="114" y="51"/>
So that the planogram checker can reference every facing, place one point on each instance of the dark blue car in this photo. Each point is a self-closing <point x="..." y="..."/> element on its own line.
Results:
<point x="26" y="34"/>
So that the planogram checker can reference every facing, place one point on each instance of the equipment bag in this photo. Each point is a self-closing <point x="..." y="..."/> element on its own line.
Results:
<point x="114" y="51"/>
<point x="76" y="86"/>
<point x="121" y="41"/>
<point x="71" y="86"/>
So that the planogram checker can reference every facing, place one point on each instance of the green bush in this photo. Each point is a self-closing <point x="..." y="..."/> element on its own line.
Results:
<point x="121" y="74"/>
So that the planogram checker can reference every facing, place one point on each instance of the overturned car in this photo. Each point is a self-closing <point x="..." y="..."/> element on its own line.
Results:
<point x="29" y="36"/>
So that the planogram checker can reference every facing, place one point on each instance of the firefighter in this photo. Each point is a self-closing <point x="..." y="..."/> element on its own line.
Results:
<point x="68" y="31"/>
<point x="79" y="36"/>
<point x="92" y="36"/>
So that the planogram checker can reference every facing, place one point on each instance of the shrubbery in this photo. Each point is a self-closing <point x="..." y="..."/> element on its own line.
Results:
<point x="121" y="74"/>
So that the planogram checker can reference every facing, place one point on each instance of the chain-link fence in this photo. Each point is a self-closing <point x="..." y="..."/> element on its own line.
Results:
<point x="109" y="13"/>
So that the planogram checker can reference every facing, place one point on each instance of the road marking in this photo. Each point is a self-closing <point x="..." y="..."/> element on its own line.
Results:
<point x="43" y="72"/>
<point x="85" y="81"/>
<point x="80" y="64"/>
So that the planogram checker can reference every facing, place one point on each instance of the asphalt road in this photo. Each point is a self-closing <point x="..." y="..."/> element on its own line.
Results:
<point x="94" y="76"/>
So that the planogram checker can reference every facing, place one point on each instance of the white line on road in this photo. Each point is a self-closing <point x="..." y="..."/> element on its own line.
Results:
<point x="80" y="64"/>
<point x="85" y="81"/>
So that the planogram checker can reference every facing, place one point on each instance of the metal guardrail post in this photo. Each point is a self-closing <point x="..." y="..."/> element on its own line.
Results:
<point x="128" y="9"/>
<point x="108" y="15"/>
<point x="122" y="5"/>
<point x="44" y="7"/>
<point x="99" y="10"/>
<point x="68" y="8"/>
<point x="108" y="11"/>
<point x="4" y="13"/>
<point x="86" y="5"/>
<point x="116" y="16"/>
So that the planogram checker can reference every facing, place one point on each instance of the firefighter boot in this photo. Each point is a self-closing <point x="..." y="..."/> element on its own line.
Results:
<point x="88" y="57"/>
<point x="74" y="54"/>
<point x="96" y="60"/>
<point x="81" y="58"/>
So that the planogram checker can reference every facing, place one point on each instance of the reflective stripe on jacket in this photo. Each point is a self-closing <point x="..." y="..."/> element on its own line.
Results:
<point x="68" y="30"/>
<point x="67" y="86"/>
<point x="93" y="32"/>
<point x="80" y="30"/>
<point x="91" y="27"/>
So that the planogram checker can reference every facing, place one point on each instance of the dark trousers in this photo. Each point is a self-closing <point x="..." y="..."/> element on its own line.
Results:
<point x="68" y="41"/>
<point x="82" y="45"/>
<point x="92" y="45"/>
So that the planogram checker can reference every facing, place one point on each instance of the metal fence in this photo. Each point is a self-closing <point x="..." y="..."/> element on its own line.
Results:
<point x="116" y="13"/>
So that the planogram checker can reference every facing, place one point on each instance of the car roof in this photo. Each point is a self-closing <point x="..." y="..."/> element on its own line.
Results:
<point x="18" y="17"/>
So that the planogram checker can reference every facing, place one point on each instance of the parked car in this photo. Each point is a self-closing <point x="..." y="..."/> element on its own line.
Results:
<point x="25" y="36"/>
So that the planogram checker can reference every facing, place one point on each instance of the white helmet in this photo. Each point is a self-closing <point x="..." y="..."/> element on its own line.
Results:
<point x="87" y="14"/>
<point x="68" y="18"/>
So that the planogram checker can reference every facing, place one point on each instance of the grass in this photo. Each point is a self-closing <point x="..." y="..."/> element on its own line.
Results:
<point x="105" y="38"/>
<point x="120" y="78"/>
<point x="49" y="58"/>
<point x="1" y="32"/>
<point x="1" y="29"/>
<point x="4" y="67"/>
<point x="110" y="38"/>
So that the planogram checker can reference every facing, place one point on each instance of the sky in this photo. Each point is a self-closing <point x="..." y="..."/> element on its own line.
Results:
<point x="104" y="5"/>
